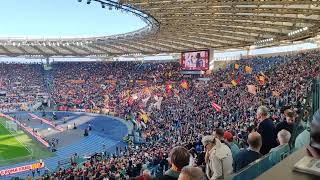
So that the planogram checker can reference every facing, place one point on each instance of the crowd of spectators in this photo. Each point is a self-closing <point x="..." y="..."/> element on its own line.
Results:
<point x="21" y="85"/>
<point x="246" y="127"/>
<point x="213" y="123"/>
<point x="98" y="85"/>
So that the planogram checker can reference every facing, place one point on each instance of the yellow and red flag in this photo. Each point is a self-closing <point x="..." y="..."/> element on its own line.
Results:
<point x="184" y="84"/>
<point x="234" y="83"/>
<point x="261" y="79"/>
<point x="248" y="69"/>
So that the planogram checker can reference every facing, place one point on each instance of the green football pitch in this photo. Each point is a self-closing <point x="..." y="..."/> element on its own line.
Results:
<point x="18" y="147"/>
<point x="10" y="147"/>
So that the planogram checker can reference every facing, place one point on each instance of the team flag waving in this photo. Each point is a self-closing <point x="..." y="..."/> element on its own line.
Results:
<point x="248" y="69"/>
<point x="184" y="84"/>
<point x="144" y="116"/>
<point x="168" y="88"/>
<point x="234" y="83"/>
<point x="216" y="107"/>
<point x="236" y="66"/>
<point x="275" y="93"/>
<point x="261" y="79"/>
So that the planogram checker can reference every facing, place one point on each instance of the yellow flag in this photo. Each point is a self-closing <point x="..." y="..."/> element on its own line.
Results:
<point x="145" y="118"/>
<point x="236" y="66"/>
<point x="248" y="69"/>
<point x="234" y="83"/>
<point x="275" y="94"/>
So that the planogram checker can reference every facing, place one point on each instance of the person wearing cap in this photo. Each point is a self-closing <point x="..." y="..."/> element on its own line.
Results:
<point x="246" y="156"/>
<point x="228" y="137"/>
<point x="266" y="129"/>
<point x="218" y="158"/>
<point x="179" y="157"/>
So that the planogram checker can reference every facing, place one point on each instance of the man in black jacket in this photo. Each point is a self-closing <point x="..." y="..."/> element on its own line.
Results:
<point x="288" y="123"/>
<point x="179" y="157"/>
<point x="266" y="129"/>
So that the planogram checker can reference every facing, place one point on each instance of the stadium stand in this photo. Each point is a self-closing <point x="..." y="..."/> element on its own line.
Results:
<point x="243" y="102"/>
<point x="170" y="110"/>
<point x="21" y="86"/>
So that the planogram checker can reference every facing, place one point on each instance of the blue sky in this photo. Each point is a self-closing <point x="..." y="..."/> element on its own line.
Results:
<point x="62" y="18"/>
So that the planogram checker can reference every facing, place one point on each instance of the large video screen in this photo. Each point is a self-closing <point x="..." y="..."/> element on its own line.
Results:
<point x="195" y="61"/>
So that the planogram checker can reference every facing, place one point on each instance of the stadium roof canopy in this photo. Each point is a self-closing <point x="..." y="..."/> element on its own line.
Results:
<point x="185" y="25"/>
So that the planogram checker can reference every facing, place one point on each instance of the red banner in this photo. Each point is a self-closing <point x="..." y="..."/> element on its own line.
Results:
<point x="21" y="169"/>
<point x="216" y="107"/>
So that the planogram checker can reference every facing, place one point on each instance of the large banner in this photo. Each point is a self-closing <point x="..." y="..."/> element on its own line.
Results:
<point x="195" y="60"/>
<point x="75" y="81"/>
<point x="21" y="169"/>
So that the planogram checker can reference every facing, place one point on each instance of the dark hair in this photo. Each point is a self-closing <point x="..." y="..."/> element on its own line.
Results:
<point x="250" y="129"/>
<point x="180" y="157"/>
<point x="290" y="114"/>
<point x="284" y="108"/>
<point x="219" y="132"/>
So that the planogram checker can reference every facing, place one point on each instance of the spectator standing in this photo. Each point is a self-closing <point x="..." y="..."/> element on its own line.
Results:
<point x="219" y="133"/>
<point x="218" y="158"/>
<point x="228" y="137"/>
<point x="288" y="123"/>
<point x="266" y="129"/>
<point x="314" y="147"/>
<point x="179" y="157"/>
<point x="304" y="137"/>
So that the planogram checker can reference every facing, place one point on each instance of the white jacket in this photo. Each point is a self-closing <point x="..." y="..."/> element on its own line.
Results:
<point x="220" y="161"/>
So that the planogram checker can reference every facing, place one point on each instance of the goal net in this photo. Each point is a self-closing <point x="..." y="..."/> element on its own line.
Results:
<point x="11" y="126"/>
